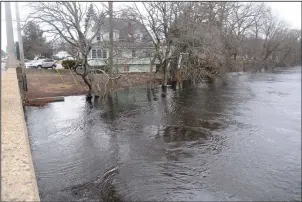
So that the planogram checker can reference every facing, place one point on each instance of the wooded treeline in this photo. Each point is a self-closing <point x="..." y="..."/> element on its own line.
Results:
<point x="218" y="36"/>
<point x="213" y="37"/>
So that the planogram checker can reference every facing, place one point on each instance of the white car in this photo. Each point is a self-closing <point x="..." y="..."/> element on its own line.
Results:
<point x="43" y="63"/>
<point x="28" y="63"/>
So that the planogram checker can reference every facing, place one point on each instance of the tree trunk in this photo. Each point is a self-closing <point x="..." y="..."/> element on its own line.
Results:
<point x="85" y="77"/>
<point x="165" y="76"/>
<point x="148" y="92"/>
<point x="151" y="70"/>
<point x="167" y="65"/>
<point x="110" y="39"/>
<point x="112" y="106"/>
<point x="87" y="82"/>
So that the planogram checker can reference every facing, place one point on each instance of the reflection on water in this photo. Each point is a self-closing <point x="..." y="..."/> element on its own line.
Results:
<point x="239" y="141"/>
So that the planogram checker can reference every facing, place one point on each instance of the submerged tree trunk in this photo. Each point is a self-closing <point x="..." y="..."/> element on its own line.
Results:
<point x="165" y="82"/>
<point x="87" y="82"/>
<point x="152" y="81"/>
<point x="85" y="77"/>
<point x="148" y="92"/>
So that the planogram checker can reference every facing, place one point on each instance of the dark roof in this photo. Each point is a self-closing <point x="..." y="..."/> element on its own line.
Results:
<point x="126" y="28"/>
<point x="119" y="24"/>
<point x="125" y="44"/>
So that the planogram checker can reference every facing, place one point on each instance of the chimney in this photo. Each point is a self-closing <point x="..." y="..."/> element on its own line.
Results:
<point x="130" y="31"/>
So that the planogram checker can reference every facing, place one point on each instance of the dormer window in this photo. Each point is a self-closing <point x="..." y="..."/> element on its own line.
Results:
<point x="105" y="35"/>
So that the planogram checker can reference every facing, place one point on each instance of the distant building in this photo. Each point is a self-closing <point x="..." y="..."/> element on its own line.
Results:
<point x="132" y="46"/>
<point x="62" y="55"/>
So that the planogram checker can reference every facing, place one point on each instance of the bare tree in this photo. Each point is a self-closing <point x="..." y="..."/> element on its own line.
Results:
<point x="199" y="34"/>
<point x="159" y="21"/>
<point x="217" y="37"/>
<point x="67" y="20"/>
<point x="60" y="44"/>
<point x="290" y="49"/>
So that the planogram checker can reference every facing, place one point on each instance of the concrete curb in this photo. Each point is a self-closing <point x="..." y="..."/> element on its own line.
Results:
<point x="31" y="166"/>
<point x="18" y="180"/>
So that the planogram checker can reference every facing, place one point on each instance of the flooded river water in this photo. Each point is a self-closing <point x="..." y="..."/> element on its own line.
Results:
<point x="240" y="141"/>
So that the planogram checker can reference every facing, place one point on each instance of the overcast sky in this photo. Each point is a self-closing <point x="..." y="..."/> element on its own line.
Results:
<point x="288" y="11"/>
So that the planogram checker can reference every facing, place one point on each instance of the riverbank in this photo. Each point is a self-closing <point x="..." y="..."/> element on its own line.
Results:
<point x="49" y="83"/>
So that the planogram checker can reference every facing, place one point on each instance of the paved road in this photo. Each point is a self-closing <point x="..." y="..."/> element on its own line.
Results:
<point x="2" y="65"/>
<point x="2" y="69"/>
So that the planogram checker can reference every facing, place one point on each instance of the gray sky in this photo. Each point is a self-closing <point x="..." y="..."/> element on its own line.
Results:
<point x="288" y="11"/>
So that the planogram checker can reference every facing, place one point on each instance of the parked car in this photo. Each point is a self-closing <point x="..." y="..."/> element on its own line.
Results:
<point x="28" y="63"/>
<point x="43" y="63"/>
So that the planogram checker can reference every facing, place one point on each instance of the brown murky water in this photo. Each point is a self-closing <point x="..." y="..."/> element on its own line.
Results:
<point x="241" y="141"/>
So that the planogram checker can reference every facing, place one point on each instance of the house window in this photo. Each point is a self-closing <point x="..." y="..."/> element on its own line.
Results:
<point x="104" y="54"/>
<point x="99" y="53"/>
<point x="93" y="54"/>
<point x="98" y="37"/>
<point x="133" y="53"/>
<point x="96" y="53"/>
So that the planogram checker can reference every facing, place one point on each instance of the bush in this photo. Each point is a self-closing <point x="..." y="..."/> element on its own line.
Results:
<point x="68" y="64"/>
<point x="102" y="67"/>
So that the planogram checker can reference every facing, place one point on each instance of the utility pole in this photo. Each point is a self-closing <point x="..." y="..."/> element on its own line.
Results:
<point x="11" y="58"/>
<point x="110" y="39"/>
<point x="21" y="47"/>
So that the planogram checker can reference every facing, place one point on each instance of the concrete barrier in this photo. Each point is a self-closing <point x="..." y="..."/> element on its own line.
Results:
<point x="18" y="181"/>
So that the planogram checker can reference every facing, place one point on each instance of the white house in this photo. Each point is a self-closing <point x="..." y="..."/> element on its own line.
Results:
<point x="132" y="47"/>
